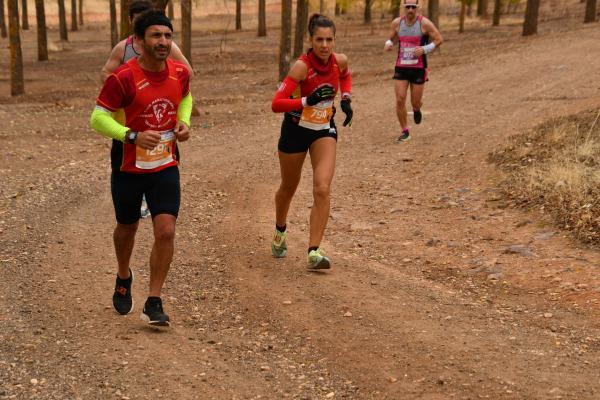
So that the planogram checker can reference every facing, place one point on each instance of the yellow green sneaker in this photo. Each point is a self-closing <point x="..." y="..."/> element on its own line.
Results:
<point x="316" y="260"/>
<point x="279" y="246"/>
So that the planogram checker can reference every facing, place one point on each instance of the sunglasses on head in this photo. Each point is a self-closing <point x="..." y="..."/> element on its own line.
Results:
<point x="410" y="7"/>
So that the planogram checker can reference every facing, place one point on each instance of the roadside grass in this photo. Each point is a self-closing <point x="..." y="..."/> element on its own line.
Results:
<point x="555" y="167"/>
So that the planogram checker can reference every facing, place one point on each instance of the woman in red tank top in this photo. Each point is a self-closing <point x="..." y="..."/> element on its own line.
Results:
<point x="306" y="97"/>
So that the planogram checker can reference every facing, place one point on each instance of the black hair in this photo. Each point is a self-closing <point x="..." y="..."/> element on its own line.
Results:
<point x="148" y="18"/>
<point x="139" y="6"/>
<point x="319" y="21"/>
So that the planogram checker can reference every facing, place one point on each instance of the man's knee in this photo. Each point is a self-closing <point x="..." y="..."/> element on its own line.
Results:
<point x="400" y="101"/>
<point x="416" y="104"/>
<point x="165" y="233"/>
<point x="124" y="231"/>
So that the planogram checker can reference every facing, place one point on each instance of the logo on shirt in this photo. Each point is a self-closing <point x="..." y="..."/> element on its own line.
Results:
<point x="159" y="111"/>
<point x="159" y="114"/>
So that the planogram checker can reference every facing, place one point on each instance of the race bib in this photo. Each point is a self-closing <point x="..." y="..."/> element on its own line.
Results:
<point x="407" y="55"/>
<point x="160" y="155"/>
<point x="317" y="117"/>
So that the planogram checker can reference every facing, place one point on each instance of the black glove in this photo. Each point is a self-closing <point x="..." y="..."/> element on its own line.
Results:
<point x="322" y="93"/>
<point x="347" y="109"/>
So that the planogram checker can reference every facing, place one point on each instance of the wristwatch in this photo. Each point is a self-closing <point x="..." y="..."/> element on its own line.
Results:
<point x="130" y="137"/>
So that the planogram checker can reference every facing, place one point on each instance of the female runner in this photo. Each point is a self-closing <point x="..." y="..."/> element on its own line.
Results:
<point x="306" y="97"/>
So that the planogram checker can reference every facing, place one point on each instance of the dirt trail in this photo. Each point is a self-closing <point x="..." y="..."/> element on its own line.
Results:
<point x="423" y="302"/>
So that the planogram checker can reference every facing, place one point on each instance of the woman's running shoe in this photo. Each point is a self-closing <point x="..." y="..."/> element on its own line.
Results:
<point x="316" y="260"/>
<point x="279" y="245"/>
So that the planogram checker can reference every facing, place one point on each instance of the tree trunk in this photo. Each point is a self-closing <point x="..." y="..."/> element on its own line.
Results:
<point x="3" y="31"/>
<point x="114" y="29"/>
<point x="395" y="8"/>
<point x="42" y="36"/>
<point x="433" y="12"/>
<point x="238" y="15"/>
<point x="482" y="8"/>
<point x="24" y="16"/>
<point x="160" y="4"/>
<point x="124" y="25"/>
<point x="62" y="21"/>
<point x="262" y="18"/>
<point x="171" y="10"/>
<point x="17" y="85"/>
<point x="469" y="9"/>
<point x="497" y="8"/>
<point x="301" y="22"/>
<point x="367" y="13"/>
<point x="321" y="6"/>
<point x="285" y="42"/>
<point x="338" y="8"/>
<point x="590" y="11"/>
<point x="80" y="8"/>
<point x="186" y="29"/>
<point x="73" y="15"/>
<point x="461" y="18"/>
<point x="531" y="17"/>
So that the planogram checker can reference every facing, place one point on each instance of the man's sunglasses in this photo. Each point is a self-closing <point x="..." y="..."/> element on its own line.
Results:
<point x="410" y="7"/>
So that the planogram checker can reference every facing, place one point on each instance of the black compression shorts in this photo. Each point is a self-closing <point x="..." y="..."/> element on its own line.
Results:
<point x="418" y="76"/>
<point x="162" y="190"/>
<point x="297" y="139"/>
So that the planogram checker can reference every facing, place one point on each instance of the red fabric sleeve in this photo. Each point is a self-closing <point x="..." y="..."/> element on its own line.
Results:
<point x="346" y="81"/>
<point x="281" y="101"/>
<point x="185" y="84"/>
<point x="118" y="91"/>
<point x="184" y="78"/>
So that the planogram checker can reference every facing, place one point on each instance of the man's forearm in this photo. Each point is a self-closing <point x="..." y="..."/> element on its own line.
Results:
<point x="103" y="122"/>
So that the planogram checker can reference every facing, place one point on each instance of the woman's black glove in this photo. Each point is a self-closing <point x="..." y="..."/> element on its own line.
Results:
<point x="347" y="109"/>
<point x="322" y="93"/>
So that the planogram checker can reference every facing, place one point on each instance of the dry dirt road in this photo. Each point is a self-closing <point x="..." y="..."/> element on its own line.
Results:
<point x="428" y="297"/>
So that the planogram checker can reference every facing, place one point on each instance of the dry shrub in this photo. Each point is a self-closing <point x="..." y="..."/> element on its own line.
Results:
<point x="556" y="168"/>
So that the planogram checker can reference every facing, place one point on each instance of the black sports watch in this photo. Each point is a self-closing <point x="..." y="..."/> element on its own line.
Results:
<point x="130" y="137"/>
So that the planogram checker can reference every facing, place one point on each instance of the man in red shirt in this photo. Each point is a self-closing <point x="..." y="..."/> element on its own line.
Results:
<point x="155" y="95"/>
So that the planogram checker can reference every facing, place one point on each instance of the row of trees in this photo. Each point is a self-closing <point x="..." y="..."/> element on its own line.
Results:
<point x="120" y="29"/>
<point x="530" y="20"/>
<point x="76" y="17"/>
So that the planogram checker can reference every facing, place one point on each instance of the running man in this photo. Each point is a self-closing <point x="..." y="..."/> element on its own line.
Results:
<point x="413" y="33"/>
<point x="308" y="126"/>
<point x="127" y="49"/>
<point x="154" y="93"/>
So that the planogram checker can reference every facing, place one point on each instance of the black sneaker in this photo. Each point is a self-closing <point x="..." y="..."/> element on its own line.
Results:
<point x="122" y="300"/>
<point x="153" y="312"/>
<point x="403" y="137"/>
<point x="417" y="116"/>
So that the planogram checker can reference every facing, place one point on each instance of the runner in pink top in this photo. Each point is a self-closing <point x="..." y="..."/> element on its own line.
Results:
<point x="416" y="37"/>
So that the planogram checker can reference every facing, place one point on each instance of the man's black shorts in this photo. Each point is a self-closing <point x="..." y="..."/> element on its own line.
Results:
<point x="297" y="139"/>
<point x="418" y="76"/>
<point x="162" y="190"/>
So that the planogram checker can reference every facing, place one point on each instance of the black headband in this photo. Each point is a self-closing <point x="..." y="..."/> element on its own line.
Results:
<point x="149" y="18"/>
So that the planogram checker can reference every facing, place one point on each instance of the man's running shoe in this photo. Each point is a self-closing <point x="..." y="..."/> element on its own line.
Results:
<point x="122" y="300"/>
<point x="316" y="260"/>
<point x="153" y="313"/>
<point x="279" y="246"/>
<point x="403" y="137"/>
<point x="144" y="210"/>
<point x="417" y="116"/>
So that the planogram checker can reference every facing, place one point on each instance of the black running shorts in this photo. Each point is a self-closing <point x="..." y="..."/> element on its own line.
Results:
<point x="418" y="76"/>
<point x="297" y="139"/>
<point x="162" y="190"/>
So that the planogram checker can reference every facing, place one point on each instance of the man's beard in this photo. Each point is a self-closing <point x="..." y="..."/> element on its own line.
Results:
<point x="160" y="54"/>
